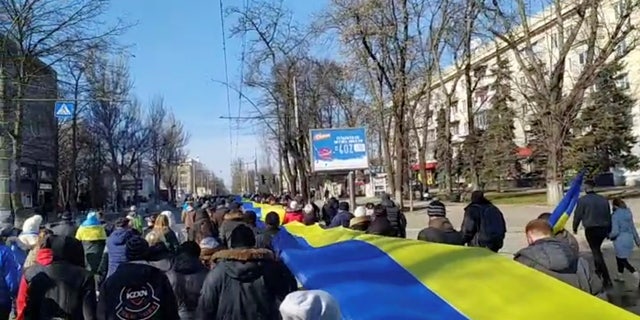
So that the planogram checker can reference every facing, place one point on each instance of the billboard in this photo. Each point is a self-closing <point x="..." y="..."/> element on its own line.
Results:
<point x="339" y="149"/>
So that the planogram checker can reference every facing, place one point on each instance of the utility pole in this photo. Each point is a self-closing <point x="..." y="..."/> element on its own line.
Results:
<point x="296" y="112"/>
<point x="256" y="184"/>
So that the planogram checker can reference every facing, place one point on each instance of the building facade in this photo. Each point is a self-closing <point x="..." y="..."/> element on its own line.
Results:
<point x="543" y="41"/>
<point x="193" y="178"/>
<point x="38" y="161"/>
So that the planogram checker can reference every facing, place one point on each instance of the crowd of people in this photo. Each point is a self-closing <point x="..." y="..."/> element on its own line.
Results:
<point x="223" y="264"/>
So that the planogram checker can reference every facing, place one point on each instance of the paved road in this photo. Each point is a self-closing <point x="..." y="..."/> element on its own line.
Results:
<point x="517" y="216"/>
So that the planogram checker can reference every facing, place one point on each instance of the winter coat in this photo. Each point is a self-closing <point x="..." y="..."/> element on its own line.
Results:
<point x="623" y="233"/>
<point x="567" y="237"/>
<point x="186" y="277"/>
<point x="440" y="230"/>
<point x="44" y="257"/>
<point x="593" y="211"/>
<point x="137" y="290"/>
<point x="329" y="210"/>
<point x="381" y="226"/>
<point x="63" y="289"/>
<point x="116" y="245"/>
<point x="65" y="228"/>
<point x="94" y="238"/>
<point x="291" y="216"/>
<point x="245" y="284"/>
<point x="483" y="225"/>
<point x="9" y="283"/>
<point x="396" y="217"/>
<point x="559" y="260"/>
<point x="341" y="219"/>
<point x="265" y="239"/>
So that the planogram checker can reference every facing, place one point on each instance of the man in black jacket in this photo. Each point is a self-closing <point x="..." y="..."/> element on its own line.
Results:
<point x="594" y="213"/>
<point x="395" y="215"/>
<point x="62" y="289"/>
<point x="186" y="277"/>
<point x="137" y="290"/>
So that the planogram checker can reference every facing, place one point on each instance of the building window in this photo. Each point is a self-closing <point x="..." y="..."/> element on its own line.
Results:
<point x="480" y="120"/>
<point x="454" y="106"/>
<point x="582" y="58"/>
<point x="455" y="128"/>
<point x="621" y="48"/>
<point x="623" y="81"/>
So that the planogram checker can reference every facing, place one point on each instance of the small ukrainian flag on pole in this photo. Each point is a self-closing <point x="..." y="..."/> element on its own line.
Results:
<point x="563" y="211"/>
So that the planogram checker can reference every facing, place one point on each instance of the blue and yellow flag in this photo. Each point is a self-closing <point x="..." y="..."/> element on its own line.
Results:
<point x="563" y="210"/>
<point x="375" y="277"/>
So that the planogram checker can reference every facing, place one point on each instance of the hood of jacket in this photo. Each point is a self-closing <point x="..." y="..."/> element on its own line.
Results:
<point x="234" y="216"/>
<point x="244" y="265"/>
<point x="387" y="203"/>
<point x="119" y="236"/>
<point x="67" y="249"/>
<point x="551" y="254"/>
<point x="44" y="256"/>
<point x="185" y="264"/>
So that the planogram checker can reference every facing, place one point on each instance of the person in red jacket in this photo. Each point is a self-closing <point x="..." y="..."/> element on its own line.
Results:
<point x="44" y="257"/>
<point x="293" y="213"/>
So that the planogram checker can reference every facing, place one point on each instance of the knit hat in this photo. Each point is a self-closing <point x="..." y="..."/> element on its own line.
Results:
<point x="310" y="305"/>
<point x="91" y="220"/>
<point x="360" y="212"/>
<point x="30" y="230"/>
<point x="66" y="216"/>
<point x="436" y="209"/>
<point x="308" y="209"/>
<point x="136" y="248"/>
<point x="294" y="206"/>
<point x="209" y="243"/>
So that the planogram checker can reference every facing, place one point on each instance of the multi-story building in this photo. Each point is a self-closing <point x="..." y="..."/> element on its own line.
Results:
<point x="193" y="178"/>
<point x="37" y="166"/>
<point x="543" y="41"/>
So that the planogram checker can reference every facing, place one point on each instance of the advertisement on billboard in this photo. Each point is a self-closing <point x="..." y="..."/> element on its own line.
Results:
<point x="339" y="149"/>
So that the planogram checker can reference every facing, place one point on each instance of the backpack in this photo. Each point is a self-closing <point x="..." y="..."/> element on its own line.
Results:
<point x="492" y="225"/>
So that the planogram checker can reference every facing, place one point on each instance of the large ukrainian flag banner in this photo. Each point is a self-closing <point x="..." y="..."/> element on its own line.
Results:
<point x="376" y="277"/>
<point x="563" y="210"/>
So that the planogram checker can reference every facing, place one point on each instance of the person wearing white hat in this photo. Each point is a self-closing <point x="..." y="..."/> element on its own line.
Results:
<point x="360" y="220"/>
<point x="310" y="305"/>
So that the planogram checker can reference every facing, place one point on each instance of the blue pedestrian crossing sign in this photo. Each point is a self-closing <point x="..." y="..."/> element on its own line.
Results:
<point x="64" y="110"/>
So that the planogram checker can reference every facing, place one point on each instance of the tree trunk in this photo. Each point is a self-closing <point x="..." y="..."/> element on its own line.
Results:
<point x="555" y="185"/>
<point x="16" y="196"/>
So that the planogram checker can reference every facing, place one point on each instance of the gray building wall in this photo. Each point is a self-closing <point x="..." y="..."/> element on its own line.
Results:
<point x="38" y="162"/>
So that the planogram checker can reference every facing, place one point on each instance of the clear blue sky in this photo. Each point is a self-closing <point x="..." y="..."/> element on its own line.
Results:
<point x="178" y="51"/>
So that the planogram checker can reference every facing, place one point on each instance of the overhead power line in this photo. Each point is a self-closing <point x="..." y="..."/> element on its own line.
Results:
<point x="226" y="72"/>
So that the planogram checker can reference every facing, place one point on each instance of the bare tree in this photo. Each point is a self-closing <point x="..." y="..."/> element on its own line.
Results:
<point x="556" y="86"/>
<point x="384" y="34"/>
<point x="172" y="152"/>
<point x="155" y="122"/>
<point x="115" y="119"/>
<point x="36" y="35"/>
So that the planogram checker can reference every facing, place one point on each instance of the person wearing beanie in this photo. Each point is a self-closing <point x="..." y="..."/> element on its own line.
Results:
<point x="360" y="220"/>
<point x="310" y="305"/>
<point x="94" y="238"/>
<point x="343" y="217"/>
<point x="272" y="227"/>
<point x="114" y="253"/>
<point x="66" y="226"/>
<point x="243" y="271"/>
<point x="62" y="289"/>
<point x="440" y="229"/>
<point x="310" y="214"/>
<point x="137" y="290"/>
<point x="293" y="213"/>
<point x="186" y="277"/>
<point x="26" y="240"/>
<point x="380" y="224"/>
<point x="230" y="220"/>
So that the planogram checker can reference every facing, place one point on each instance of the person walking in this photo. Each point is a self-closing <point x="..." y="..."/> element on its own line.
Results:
<point x="625" y="238"/>
<point x="9" y="283"/>
<point x="66" y="227"/>
<point x="594" y="213"/>
<point x="483" y="224"/>
<point x="440" y="229"/>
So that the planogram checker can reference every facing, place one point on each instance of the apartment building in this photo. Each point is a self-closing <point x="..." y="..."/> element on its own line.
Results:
<point x="544" y="44"/>
<point x="38" y="162"/>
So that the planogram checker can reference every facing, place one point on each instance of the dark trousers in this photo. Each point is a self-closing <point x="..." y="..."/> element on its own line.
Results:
<point x="623" y="263"/>
<point x="4" y="313"/>
<point x="595" y="236"/>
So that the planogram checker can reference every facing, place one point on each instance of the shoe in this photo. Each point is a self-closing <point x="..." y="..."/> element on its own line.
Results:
<point x="618" y="277"/>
